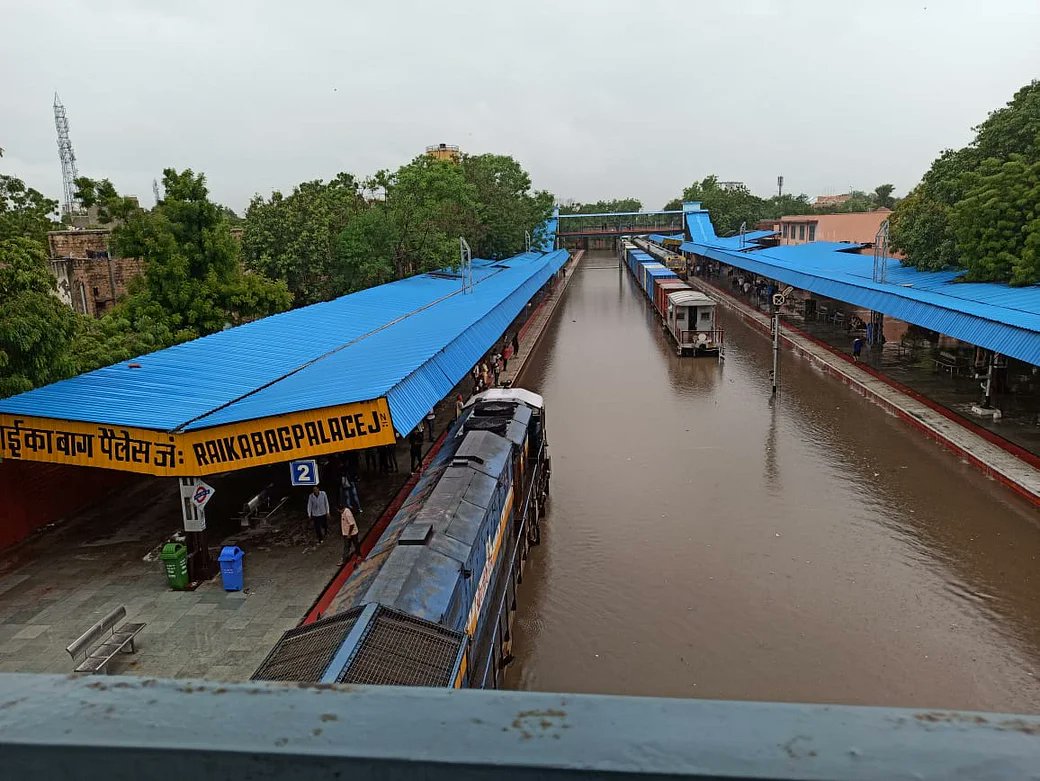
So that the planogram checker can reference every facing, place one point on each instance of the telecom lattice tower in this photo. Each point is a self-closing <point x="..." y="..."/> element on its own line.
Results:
<point x="68" y="157"/>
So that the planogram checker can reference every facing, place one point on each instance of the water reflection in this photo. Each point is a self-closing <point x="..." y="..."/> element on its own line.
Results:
<point x="703" y="542"/>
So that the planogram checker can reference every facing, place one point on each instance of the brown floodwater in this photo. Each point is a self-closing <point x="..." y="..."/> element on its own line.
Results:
<point x="702" y="542"/>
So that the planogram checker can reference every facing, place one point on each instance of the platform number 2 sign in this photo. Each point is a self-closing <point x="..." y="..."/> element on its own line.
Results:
<point x="304" y="472"/>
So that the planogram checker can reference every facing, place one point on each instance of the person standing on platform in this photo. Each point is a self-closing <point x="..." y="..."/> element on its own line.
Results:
<point x="391" y="457"/>
<point x="857" y="348"/>
<point x="318" y="510"/>
<point x="431" y="419"/>
<point x="351" y="536"/>
<point x="505" y="355"/>
<point x="496" y="366"/>
<point x="415" y="448"/>
<point x="348" y="493"/>
<point x="458" y="406"/>
<point x="516" y="345"/>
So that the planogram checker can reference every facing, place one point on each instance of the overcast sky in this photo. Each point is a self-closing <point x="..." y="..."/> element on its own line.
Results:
<point x="596" y="99"/>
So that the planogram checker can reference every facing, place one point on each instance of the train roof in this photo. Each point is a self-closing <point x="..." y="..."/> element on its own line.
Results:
<point x="690" y="298"/>
<point x="509" y="394"/>
<point x="415" y="564"/>
<point x="659" y="271"/>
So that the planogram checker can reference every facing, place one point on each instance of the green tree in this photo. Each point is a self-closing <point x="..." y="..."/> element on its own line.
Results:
<point x="604" y="206"/>
<point x="36" y="329"/>
<point x="120" y="334"/>
<point x="779" y="205"/>
<point x="934" y="228"/>
<point x="193" y="281"/>
<point x="997" y="222"/>
<point x="295" y="237"/>
<point x="673" y="205"/>
<point x="882" y="196"/>
<point x="1013" y="129"/>
<point x="729" y="207"/>
<point x="413" y="224"/>
<point x="101" y="194"/>
<point x="506" y="206"/>
<point x="25" y="212"/>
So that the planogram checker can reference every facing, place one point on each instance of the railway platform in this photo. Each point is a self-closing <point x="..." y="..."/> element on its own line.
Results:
<point x="64" y="577"/>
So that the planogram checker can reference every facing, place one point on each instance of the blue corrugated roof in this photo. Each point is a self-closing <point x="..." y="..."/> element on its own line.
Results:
<point x="550" y="227"/>
<point x="748" y="241"/>
<point x="988" y="314"/>
<point x="410" y="341"/>
<point x="658" y="238"/>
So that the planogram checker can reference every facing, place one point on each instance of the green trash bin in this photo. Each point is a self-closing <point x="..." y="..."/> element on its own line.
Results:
<point x="175" y="558"/>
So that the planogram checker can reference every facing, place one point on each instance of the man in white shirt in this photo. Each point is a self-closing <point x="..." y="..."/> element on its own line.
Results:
<point x="351" y="538"/>
<point x="318" y="511"/>
<point x="431" y="420"/>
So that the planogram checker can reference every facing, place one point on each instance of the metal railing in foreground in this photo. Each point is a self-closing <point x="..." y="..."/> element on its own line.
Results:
<point x="116" y="728"/>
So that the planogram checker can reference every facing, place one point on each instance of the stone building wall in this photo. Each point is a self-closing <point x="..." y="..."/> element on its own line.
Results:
<point x="90" y="280"/>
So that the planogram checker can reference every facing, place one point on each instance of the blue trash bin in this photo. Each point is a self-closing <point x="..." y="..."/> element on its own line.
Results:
<point x="231" y="567"/>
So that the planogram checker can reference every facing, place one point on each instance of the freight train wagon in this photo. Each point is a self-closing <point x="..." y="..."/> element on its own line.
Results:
<point x="687" y="314"/>
<point x="432" y="603"/>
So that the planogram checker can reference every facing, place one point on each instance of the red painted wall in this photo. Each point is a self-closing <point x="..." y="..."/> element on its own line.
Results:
<point x="33" y="495"/>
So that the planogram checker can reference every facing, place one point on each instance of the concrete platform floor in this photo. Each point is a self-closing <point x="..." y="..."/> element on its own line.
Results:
<point x="61" y="580"/>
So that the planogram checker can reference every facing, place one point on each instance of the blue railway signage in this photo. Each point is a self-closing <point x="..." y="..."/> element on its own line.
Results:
<point x="304" y="472"/>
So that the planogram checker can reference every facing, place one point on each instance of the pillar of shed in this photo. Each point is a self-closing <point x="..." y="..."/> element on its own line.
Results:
<point x="201" y="566"/>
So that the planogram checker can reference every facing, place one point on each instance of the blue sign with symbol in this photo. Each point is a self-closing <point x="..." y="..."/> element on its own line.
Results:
<point x="304" y="472"/>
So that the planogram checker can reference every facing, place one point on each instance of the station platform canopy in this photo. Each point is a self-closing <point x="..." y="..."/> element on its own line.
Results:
<point x="992" y="315"/>
<point x="343" y="374"/>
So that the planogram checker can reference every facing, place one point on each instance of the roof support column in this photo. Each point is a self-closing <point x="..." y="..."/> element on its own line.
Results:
<point x="200" y="565"/>
<point x="876" y="329"/>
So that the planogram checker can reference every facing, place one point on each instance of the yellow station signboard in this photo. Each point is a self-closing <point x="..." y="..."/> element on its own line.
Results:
<point x="206" y="451"/>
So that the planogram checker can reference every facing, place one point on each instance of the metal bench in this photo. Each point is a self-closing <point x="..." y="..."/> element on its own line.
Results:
<point x="262" y="506"/>
<point x="104" y="640"/>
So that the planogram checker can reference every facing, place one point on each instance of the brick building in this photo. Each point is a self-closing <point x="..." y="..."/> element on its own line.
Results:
<point x="90" y="280"/>
<point x="830" y="201"/>
<point x="854" y="227"/>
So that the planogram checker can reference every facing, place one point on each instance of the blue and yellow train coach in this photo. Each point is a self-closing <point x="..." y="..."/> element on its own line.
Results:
<point x="433" y="602"/>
